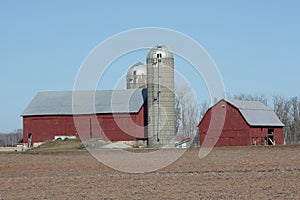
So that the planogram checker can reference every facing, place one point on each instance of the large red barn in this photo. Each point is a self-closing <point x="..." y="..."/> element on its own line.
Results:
<point x="245" y="123"/>
<point x="118" y="115"/>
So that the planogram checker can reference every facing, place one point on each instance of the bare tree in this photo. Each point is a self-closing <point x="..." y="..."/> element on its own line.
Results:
<point x="295" y="119"/>
<point x="11" y="139"/>
<point x="204" y="106"/>
<point x="252" y="97"/>
<point x="288" y="111"/>
<point x="177" y="114"/>
<point x="186" y="111"/>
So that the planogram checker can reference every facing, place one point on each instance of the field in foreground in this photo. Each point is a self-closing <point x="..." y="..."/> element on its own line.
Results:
<point x="226" y="173"/>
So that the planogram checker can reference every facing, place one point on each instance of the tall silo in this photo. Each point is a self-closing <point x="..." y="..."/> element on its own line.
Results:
<point x="161" y="98"/>
<point x="136" y="76"/>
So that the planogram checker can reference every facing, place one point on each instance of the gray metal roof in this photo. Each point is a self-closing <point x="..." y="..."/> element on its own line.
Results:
<point x="256" y="113"/>
<point x="86" y="102"/>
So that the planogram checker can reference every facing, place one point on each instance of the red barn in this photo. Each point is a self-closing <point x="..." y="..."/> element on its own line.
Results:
<point x="117" y="115"/>
<point x="245" y="123"/>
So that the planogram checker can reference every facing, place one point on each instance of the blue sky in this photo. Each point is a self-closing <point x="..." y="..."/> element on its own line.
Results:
<point x="255" y="44"/>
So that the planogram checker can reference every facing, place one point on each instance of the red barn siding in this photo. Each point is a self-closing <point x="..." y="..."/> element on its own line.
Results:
<point x="235" y="132"/>
<point x="45" y="128"/>
<point x="279" y="135"/>
<point x="259" y="134"/>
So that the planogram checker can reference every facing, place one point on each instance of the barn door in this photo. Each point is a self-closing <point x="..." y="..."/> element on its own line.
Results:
<point x="271" y="137"/>
<point x="29" y="140"/>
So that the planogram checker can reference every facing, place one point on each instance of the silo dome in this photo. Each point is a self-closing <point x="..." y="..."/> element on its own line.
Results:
<point x="160" y="49"/>
<point x="136" y="76"/>
<point x="137" y="69"/>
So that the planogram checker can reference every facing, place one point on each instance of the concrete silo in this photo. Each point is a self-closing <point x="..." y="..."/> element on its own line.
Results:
<point x="136" y="76"/>
<point x="161" y="98"/>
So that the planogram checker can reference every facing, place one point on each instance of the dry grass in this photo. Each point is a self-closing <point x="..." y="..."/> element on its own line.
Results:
<point x="59" y="146"/>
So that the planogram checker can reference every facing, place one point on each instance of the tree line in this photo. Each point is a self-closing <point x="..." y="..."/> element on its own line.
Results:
<point x="11" y="139"/>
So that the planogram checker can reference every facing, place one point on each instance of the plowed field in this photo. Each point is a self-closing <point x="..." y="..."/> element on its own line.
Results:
<point x="226" y="173"/>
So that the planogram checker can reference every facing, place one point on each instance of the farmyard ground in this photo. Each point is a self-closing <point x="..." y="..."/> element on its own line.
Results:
<point x="227" y="173"/>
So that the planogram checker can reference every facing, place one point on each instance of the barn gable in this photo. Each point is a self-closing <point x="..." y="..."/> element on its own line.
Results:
<point x="256" y="113"/>
<point x="106" y="101"/>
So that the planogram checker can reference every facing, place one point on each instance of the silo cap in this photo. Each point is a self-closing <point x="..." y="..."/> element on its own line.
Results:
<point x="160" y="49"/>
<point x="137" y="69"/>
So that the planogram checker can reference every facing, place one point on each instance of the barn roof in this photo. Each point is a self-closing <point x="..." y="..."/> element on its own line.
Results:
<point x="256" y="113"/>
<point x="86" y="102"/>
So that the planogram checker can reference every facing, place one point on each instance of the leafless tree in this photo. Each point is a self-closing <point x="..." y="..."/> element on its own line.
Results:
<point x="204" y="106"/>
<point x="11" y="139"/>
<point x="282" y="109"/>
<point x="187" y="114"/>
<point x="288" y="111"/>
<point x="252" y="97"/>
<point x="177" y="114"/>
<point x="295" y="121"/>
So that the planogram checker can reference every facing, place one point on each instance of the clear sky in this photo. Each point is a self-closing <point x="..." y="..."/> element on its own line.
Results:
<point x="255" y="43"/>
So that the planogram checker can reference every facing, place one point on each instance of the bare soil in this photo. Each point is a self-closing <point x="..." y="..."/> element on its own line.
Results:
<point x="226" y="173"/>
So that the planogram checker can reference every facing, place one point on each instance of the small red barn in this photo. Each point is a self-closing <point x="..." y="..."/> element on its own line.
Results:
<point x="245" y="123"/>
<point x="117" y="115"/>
